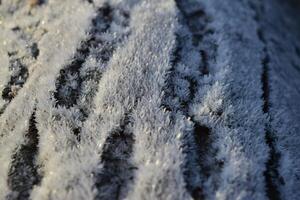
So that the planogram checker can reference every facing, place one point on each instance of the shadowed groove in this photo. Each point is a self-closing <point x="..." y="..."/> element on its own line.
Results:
<point x="70" y="85"/>
<point x="118" y="170"/>
<point x="23" y="174"/>
<point x="17" y="80"/>
<point x="202" y="137"/>
<point x="197" y="144"/>
<point x="19" y="71"/>
<point x="33" y="3"/>
<point x="272" y="176"/>
<point x="205" y="70"/>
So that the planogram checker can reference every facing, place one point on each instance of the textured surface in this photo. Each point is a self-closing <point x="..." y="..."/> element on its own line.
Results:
<point x="149" y="99"/>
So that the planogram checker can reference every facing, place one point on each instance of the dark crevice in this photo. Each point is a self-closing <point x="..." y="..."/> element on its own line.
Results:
<point x="76" y="132"/>
<point x="36" y="2"/>
<point x="118" y="170"/>
<point x="90" y="1"/>
<point x="260" y="35"/>
<point x="2" y="110"/>
<point x="68" y="85"/>
<point x="176" y="56"/>
<point x="71" y="83"/>
<point x="23" y="173"/>
<point x="202" y="144"/>
<point x="297" y="65"/>
<point x="202" y="136"/>
<point x="179" y="97"/>
<point x="17" y="80"/>
<point x="35" y="52"/>
<point x="297" y="50"/>
<point x="19" y="72"/>
<point x="272" y="176"/>
<point x="265" y="83"/>
<point x="204" y="56"/>
<point x="16" y="29"/>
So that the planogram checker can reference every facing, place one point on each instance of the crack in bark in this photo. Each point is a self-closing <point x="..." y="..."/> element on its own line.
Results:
<point x="17" y="80"/>
<point x="297" y="65"/>
<point x="205" y="70"/>
<point x="23" y="174"/>
<point x="272" y="175"/>
<point x="118" y="170"/>
<point x="196" y="144"/>
<point x="202" y="135"/>
<point x="273" y="178"/>
<point x="33" y="3"/>
<point x="19" y="70"/>
<point x="265" y="82"/>
<point x="70" y="81"/>
<point x="71" y="85"/>
<point x="297" y="50"/>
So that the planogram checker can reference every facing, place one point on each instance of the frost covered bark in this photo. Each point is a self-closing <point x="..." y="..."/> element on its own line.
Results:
<point x="149" y="99"/>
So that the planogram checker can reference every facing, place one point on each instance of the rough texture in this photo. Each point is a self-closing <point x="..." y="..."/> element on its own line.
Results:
<point x="149" y="99"/>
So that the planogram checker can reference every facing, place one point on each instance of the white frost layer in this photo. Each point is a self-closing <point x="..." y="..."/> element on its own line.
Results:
<point x="228" y="100"/>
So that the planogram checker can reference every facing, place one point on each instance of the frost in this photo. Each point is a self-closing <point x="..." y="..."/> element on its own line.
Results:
<point x="149" y="99"/>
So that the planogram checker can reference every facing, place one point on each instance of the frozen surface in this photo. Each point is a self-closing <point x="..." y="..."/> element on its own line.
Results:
<point x="149" y="99"/>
